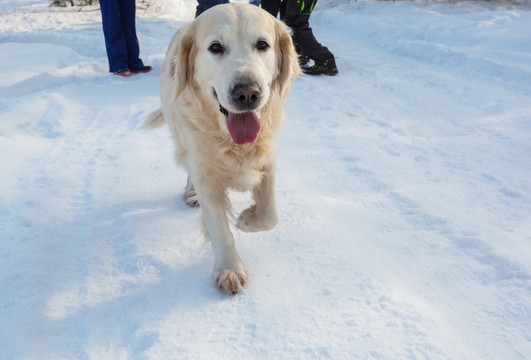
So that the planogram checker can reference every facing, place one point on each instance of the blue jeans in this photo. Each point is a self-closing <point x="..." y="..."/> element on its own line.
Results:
<point x="207" y="4"/>
<point x="121" y="43"/>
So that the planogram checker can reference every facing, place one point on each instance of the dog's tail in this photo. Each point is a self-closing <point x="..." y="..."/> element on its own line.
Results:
<point x="154" y="120"/>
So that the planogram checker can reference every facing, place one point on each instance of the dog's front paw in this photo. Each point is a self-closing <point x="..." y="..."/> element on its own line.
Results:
<point x="250" y="221"/>
<point x="230" y="282"/>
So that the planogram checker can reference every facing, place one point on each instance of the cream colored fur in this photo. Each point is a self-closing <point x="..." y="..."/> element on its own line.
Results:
<point x="194" y="82"/>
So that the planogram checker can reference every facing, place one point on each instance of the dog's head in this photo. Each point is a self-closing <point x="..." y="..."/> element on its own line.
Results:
<point x="236" y="56"/>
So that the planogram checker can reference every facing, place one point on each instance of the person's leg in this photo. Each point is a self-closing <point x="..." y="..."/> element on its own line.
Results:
<point x="271" y="6"/>
<point x="114" y="35"/>
<point x="203" y="5"/>
<point x="305" y="42"/>
<point x="127" y="18"/>
<point x="297" y="16"/>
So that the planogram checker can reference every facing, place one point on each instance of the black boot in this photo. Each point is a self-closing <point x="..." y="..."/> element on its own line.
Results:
<point x="303" y="60"/>
<point x="327" y="67"/>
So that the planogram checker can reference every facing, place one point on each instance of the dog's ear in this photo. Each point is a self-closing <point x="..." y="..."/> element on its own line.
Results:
<point x="288" y="62"/>
<point x="180" y="59"/>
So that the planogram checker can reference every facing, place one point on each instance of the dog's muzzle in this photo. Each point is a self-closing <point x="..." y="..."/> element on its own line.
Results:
<point x="243" y="126"/>
<point x="223" y="110"/>
<point x="246" y="96"/>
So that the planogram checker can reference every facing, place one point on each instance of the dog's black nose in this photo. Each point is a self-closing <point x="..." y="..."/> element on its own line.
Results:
<point x="245" y="95"/>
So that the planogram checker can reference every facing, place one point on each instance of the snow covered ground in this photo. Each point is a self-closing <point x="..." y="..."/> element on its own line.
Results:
<point x="403" y="182"/>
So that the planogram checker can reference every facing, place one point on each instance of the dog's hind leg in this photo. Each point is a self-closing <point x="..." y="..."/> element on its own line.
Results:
<point x="190" y="195"/>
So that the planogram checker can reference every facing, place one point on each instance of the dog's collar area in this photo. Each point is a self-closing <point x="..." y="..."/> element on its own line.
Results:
<point x="223" y="110"/>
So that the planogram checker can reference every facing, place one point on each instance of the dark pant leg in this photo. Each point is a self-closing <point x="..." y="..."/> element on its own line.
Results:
<point x="305" y="42"/>
<point x="114" y="35"/>
<point x="271" y="6"/>
<point x="203" y="5"/>
<point x="127" y="17"/>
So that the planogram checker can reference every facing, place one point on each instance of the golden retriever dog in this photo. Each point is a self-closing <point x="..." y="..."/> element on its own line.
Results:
<point x="222" y="88"/>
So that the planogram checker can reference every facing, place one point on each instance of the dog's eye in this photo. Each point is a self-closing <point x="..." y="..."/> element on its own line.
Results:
<point x="262" y="45"/>
<point x="216" y="48"/>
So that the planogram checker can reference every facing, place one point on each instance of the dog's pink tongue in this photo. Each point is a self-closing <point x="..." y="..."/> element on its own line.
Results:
<point x="243" y="127"/>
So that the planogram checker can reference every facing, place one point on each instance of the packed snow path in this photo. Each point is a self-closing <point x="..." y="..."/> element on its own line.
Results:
<point x="403" y="189"/>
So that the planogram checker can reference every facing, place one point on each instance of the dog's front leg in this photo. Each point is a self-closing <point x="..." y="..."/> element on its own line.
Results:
<point x="229" y="274"/>
<point x="263" y="215"/>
